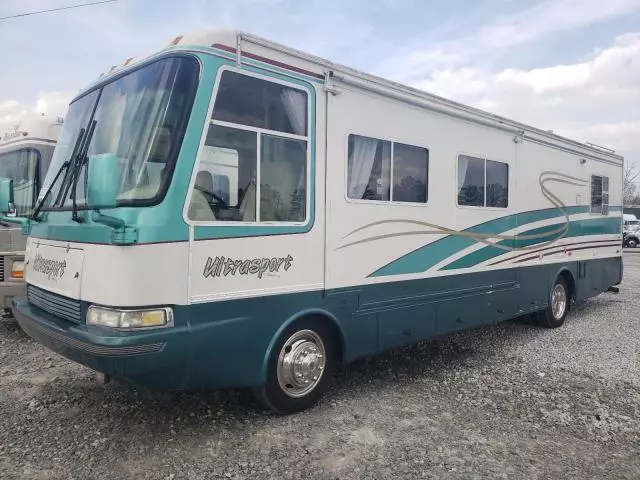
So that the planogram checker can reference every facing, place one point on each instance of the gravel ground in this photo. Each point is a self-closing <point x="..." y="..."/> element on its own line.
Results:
<point x="509" y="401"/>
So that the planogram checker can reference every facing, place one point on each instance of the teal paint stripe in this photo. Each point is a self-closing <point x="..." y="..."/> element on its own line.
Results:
<point x="429" y="255"/>
<point x="489" y="252"/>
<point x="577" y="228"/>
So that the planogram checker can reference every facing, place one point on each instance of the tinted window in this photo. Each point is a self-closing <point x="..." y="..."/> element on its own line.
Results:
<point x="599" y="194"/>
<point x="410" y="173"/>
<point x="257" y="103"/>
<point x="497" y="184"/>
<point x="482" y="182"/>
<point x="596" y="191"/>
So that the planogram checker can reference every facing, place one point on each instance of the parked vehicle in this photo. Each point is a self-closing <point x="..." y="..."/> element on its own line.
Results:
<point x="631" y="230"/>
<point x="230" y="212"/>
<point x="25" y="155"/>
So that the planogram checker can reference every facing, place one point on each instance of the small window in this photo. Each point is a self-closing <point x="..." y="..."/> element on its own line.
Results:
<point x="599" y="195"/>
<point x="497" y="184"/>
<point x="372" y="163"/>
<point x="257" y="103"/>
<point x="482" y="182"/>
<point x="410" y="174"/>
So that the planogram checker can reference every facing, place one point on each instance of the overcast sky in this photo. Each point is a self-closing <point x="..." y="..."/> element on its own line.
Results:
<point x="572" y="66"/>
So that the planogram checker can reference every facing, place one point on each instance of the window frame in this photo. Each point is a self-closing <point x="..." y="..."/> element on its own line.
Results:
<point x="37" y="182"/>
<point x="601" y="207"/>
<point x="392" y="141"/>
<point x="484" y="158"/>
<point x="259" y="132"/>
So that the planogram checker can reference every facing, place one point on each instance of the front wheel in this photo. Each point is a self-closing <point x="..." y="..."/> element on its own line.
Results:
<point x="299" y="368"/>
<point x="554" y="315"/>
<point x="632" y="243"/>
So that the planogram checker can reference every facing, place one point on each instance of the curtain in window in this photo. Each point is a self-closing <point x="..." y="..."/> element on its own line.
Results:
<point x="384" y="184"/>
<point x="463" y="164"/>
<point x="360" y="164"/>
<point x="294" y="104"/>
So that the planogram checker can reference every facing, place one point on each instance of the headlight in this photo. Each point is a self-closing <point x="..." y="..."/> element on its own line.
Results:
<point x="17" y="269"/>
<point x="130" y="319"/>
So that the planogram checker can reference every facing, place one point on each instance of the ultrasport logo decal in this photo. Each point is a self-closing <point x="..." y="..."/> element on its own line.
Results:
<point x="51" y="268"/>
<point x="221" y="266"/>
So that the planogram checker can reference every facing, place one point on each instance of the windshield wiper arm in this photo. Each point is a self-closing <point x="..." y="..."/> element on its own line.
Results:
<point x="65" y="167"/>
<point x="81" y="159"/>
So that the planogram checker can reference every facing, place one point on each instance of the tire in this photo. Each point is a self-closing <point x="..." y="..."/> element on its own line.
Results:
<point x="632" y="242"/>
<point x="285" y="392"/>
<point x="559" y="303"/>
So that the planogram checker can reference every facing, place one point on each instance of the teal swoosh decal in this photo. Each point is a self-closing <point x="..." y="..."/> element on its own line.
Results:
<point x="577" y="228"/>
<point x="429" y="255"/>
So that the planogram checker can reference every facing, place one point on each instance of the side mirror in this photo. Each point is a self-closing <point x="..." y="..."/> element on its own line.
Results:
<point x="7" y="206"/>
<point x="103" y="181"/>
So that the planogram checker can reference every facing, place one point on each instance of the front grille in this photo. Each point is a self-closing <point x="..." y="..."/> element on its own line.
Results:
<point x="1" y="268"/>
<point x="63" y="307"/>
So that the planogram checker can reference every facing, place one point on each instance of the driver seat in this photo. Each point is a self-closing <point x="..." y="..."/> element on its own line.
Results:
<point x="204" y="180"/>
<point x="199" y="209"/>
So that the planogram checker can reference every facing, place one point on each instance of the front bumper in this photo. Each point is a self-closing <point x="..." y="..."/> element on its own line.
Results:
<point x="152" y="360"/>
<point x="9" y="291"/>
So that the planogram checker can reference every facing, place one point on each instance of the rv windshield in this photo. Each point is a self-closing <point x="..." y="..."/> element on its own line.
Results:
<point x="22" y="167"/>
<point x="141" y="118"/>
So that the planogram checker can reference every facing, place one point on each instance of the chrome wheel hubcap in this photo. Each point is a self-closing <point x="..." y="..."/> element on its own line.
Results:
<point x="301" y="363"/>
<point x="558" y="301"/>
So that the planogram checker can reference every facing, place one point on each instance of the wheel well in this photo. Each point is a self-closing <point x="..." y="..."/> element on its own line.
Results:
<point x="334" y="329"/>
<point x="571" y="284"/>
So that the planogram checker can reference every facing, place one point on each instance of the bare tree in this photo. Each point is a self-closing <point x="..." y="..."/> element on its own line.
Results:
<point x="629" y="184"/>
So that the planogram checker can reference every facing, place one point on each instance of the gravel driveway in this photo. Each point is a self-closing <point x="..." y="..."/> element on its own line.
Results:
<point x="509" y="401"/>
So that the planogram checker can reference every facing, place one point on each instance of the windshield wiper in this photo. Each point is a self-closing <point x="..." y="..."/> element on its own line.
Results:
<point x="64" y="167"/>
<point x="81" y="159"/>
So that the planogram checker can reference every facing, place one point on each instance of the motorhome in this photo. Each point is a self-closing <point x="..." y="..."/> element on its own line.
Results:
<point x="229" y="212"/>
<point x="26" y="148"/>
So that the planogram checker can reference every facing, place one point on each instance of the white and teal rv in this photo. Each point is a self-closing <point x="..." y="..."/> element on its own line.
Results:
<point x="25" y="153"/>
<point x="230" y="212"/>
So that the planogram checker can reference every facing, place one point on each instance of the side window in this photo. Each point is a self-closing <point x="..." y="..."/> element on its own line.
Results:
<point x="410" y="174"/>
<point x="497" y="184"/>
<point x="482" y="182"/>
<point x="599" y="194"/>
<point x="253" y="166"/>
<point x="386" y="171"/>
<point x="369" y="168"/>
<point x="470" y="181"/>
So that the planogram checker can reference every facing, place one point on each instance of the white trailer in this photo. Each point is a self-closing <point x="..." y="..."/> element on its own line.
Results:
<point x="25" y="153"/>
<point x="355" y="215"/>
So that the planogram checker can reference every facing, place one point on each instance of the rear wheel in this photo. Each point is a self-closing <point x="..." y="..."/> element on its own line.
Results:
<point x="632" y="243"/>
<point x="299" y="368"/>
<point x="554" y="315"/>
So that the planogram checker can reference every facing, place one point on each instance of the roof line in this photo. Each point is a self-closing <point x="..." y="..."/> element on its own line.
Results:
<point x="259" y="41"/>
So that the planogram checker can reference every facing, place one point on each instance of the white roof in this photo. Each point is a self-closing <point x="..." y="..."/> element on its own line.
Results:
<point x="258" y="48"/>
<point x="32" y="128"/>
